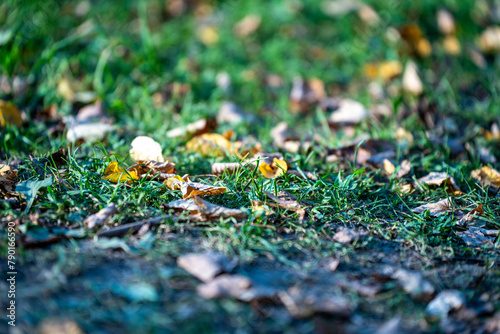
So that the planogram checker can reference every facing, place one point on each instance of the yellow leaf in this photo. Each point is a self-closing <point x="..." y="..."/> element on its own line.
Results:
<point x="390" y="69"/>
<point x="210" y="144"/>
<point x="451" y="45"/>
<point x="277" y="168"/>
<point x="173" y="183"/>
<point x="191" y="189"/>
<point x="487" y="176"/>
<point x="10" y="114"/>
<point x="117" y="174"/>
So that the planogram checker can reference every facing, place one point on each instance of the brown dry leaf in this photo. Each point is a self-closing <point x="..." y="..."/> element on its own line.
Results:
<point x="201" y="210"/>
<point x="8" y="181"/>
<point x="205" y="266"/>
<point x="469" y="217"/>
<point x="191" y="189"/>
<point x="9" y="114"/>
<point x="303" y="174"/>
<point x="305" y="94"/>
<point x="383" y="161"/>
<point x="101" y="217"/>
<point x="247" y="25"/>
<point x="194" y="129"/>
<point x="160" y="171"/>
<point x="404" y="168"/>
<point x="434" y="208"/>
<point x="277" y="168"/>
<point x="146" y="148"/>
<point x="285" y="200"/>
<point x="436" y="179"/>
<point x="487" y="176"/>
<point x="117" y="174"/>
<point x="210" y="144"/>
<point x="477" y="237"/>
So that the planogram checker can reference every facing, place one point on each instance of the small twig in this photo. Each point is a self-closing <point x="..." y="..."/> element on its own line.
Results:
<point x="133" y="227"/>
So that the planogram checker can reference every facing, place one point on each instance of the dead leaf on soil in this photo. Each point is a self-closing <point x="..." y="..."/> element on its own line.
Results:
<point x="9" y="114"/>
<point x="469" y="217"/>
<point x="146" y="148"/>
<point x="434" y="208"/>
<point x="101" y="217"/>
<point x="194" y="129"/>
<point x="277" y="168"/>
<point x="90" y="124"/>
<point x="201" y="210"/>
<point x="190" y="189"/>
<point x="386" y="70"/>
<point x="117" y="174"/>
<point x="346" y="235"/>
<point x="8" y="181"/>
<point x="305" y="94"/>
<point x="446" y="22"/>
<point x="477" y="236"/>
<point x="205" y="266"/>
<point x="435" y="179"/>
<point x="487" y="176"/>
<point x="154" y="170"/>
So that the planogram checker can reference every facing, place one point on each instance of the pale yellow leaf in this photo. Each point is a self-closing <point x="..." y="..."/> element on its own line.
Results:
<point x="277" y="168"/>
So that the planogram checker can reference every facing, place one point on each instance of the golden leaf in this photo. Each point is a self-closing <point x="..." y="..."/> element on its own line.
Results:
<point x="210" y="144"/>
<point x="487" y="176"/>
<point x="117" y="174"/>
<point x="173" y="183"/>
<point x="277" y="168"/>
<point x="10" y="114"/>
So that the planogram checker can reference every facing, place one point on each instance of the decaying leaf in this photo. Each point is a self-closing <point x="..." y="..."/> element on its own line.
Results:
<point x="477" y="237"/>
<point x="101" y="217"/>
<point x="436" y="179"/>
<point x="146" y="148"/>
<point x="9" y="114"/>
<point x="194" y="129"/>
<point x="487" y="176"/>
<point x="303" y="304"/>
<point x="205" y="266"/>
<point x="435" y="208"/>
<point x="411" y="81"/>
<point x="210" y="144"/>
<point x="190" y="189"/>
<point x="219" y="168"/>
<point x="8" y="181"/>
<point x="277" y="168"/>
<point x="201" y="210"/>
<point x="469" y="217"/>
<point x="117" y="174"/>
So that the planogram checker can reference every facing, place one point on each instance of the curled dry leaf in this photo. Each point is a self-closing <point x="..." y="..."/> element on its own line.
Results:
<point x="9" y="114"/>
<point x="277" y="168"/>
<point x="154" y="170"/>
<point x="8" y="182"/>
<point x="117" y="174"/>
<point x="146" y="148"/>
<point x="194" y="129"/>
<point x="101" y="217"/>
<point x="191" y="189"/>
<point x="435" y="208"/>
<point x="210" y="144"/>
<point x="487" y="176"/>
<point x="201" y="210"/>
<point x="469" y="217"/>
<point x="436" y="179"/>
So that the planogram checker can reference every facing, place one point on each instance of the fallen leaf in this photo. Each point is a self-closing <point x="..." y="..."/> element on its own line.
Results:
<point x="277" y="168"/>
<point x="90" y="124"/>
<point x="304" y="304"/>
<point x="404" y="168"/>
<point x="469" y="217"/>
<point x="146" y="148"/>
<point x="160" y="171"/>
<point x="235" y="286"/>
<point x="477" y="237"/>
<point x="435" y="179"/>
<point x="415" y="39"/>
<point x="218" y="168"/>
<point x="229" y="112"/>
<point x="487" y="176"/>
<point x="210" y="144"/>
<point x="9" y="114"/>
<point x="205" y="266"/>
<point x="194" y="129"/>
<point x="434" y="208"/>
<point x="348" y="112"/>
<point x="414" y="284"/>
<point x="383" y="161"/>
<point x="191" y="189"/>
<point x="446" y="22"/>
<point x="346" y="235"/>
<point x="30" y="188"/>
<point x="8" y="181"/>
<point x="101" y="217"/>
<point x="489" y="40"/>
<point x="247" y="25"/>
<point x="411" y="81"/>
<point x="117" y="174"/>
<point x="208" y="35"/>
<point x="305" y="94"/>
<point x="445" y="302"/>
<point x="386" y="70"/>
<point x="202" y="210"/>
<point x="452" y="46"/>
